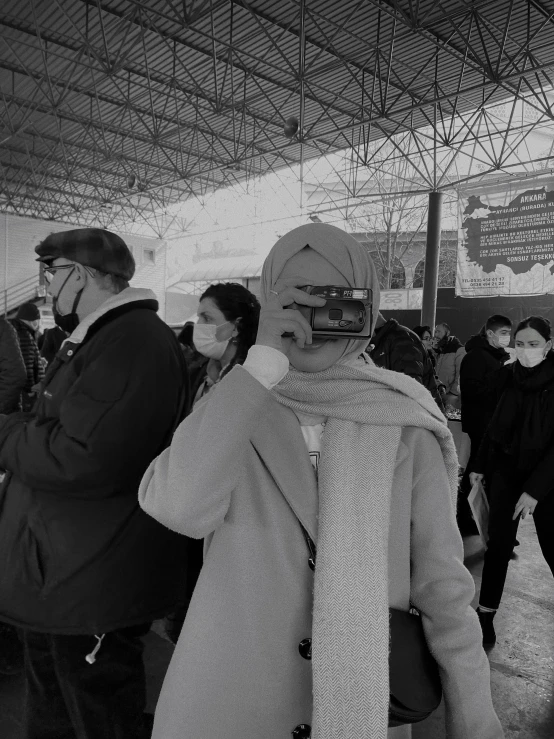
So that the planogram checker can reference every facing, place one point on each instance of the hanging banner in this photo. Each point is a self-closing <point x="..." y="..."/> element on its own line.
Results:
<point x="507" y="249"/>
<point x="406" y="299"/>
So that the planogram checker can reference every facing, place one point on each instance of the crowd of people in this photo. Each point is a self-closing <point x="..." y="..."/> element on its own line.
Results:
<point x="268" y="490"/>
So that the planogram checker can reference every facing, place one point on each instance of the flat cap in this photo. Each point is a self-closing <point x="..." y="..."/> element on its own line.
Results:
<point x="91" y="247"/>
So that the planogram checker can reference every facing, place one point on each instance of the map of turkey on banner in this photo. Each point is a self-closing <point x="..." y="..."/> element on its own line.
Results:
<point x="507" y="249"/>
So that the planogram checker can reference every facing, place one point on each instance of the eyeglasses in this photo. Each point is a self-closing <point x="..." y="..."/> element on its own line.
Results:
<point x="50" y="272"/>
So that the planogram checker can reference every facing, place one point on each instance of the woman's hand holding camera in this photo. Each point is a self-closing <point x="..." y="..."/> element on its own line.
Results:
<point x="277" y="318"/>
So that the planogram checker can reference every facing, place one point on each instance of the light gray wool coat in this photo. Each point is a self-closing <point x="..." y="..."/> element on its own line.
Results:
<point x="238" y="472"/>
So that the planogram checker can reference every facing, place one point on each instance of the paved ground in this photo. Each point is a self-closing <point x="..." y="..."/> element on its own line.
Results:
<point x="522" y="663"/>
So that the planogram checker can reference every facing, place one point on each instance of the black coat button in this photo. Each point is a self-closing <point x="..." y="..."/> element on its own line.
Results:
<point x="305" y="648"/>
<point x="302" y="731"/>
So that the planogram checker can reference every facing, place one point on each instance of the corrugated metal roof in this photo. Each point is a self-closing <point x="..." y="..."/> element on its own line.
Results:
<point x="187" y="97"/>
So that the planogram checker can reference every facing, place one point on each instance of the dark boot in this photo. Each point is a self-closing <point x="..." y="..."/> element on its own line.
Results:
<point x="489" y="634"/>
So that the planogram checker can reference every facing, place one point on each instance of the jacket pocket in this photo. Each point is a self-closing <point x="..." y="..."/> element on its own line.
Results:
<point x="33" y="560"/>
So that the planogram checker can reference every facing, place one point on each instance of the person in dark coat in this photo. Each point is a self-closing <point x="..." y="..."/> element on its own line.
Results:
<point x="26" y="324"/>
<point x="425" y="333"/>
<point x="516" y="459"/>
<point x="50" y="342"/>
<point x="485" y="355"/>
<point x="450" y="352"/>
<point x="85" y="570"/>
<point x="400" y="349"/>
<point x="12" y="382"/>
<point x="12" y="369"/>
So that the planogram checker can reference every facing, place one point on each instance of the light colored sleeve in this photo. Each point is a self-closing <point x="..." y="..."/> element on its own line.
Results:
<point x="266" y="364"/>
<point x="188" y="487"/>
<point x="442" y="589"/>
<point x="460" y="354"/>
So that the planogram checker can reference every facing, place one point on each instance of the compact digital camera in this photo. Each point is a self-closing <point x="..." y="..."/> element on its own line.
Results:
<point x="346" y="314"/>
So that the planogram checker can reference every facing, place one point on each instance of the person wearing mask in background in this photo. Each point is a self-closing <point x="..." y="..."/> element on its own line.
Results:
<point x="84" y="570"/>
<point x="226" y="329"/>
<point x="516" y="458"/>
<point x="26" y="324"/>
<point x="450" y="352"/>
<point x="425" y="333"/>
<point x="485" y="355"/>
<point x="399" y="349"/>
<point x="13" y="378"/>
<point x="310" y="442"/>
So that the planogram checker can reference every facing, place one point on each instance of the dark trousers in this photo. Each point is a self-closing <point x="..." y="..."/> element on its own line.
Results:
<point x="504" y="493"/>
<point x="68" y="698"/>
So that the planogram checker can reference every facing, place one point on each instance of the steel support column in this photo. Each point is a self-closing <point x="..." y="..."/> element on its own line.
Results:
<point x="301" y="77"/>
<point x="432" y="251"/>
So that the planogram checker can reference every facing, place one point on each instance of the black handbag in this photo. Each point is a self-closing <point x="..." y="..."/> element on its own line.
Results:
<point x="414" y="680"/>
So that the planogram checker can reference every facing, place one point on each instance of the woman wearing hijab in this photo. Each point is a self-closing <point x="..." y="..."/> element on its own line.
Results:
<point x="269" y="647"/>
<point x="516" y="458"/>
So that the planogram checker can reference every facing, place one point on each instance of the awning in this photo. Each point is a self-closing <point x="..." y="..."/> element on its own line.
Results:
<point x="224" y="268"/>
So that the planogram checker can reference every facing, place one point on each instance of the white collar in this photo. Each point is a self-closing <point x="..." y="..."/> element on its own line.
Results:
<point x="129" y="295"/>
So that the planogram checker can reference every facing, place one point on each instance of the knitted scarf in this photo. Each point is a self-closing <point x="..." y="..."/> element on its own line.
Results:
<point x="366" y="408"/>
<point x="522" y="423"/>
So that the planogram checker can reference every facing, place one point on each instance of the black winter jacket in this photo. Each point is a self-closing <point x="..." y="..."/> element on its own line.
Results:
<point x="78" y="554"/>
<point x="397" y="348"/>
<point x="519" y="443"/>
<point x="478" y="373"/>
<point x="31" y="359"/>
<point x="50" y="342"/>
<point x="12" y="369"/>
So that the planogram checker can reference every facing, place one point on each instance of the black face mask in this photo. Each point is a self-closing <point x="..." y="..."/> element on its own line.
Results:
<point x="69" y="321"/>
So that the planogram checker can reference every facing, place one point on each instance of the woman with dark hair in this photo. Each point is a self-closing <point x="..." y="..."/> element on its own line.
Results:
<point x="425" y="333"/>
<point x="517" y="457"/>
<point x="227" y="325"/>
<point x="432" y="382"/>
<point x="226" y="329"/>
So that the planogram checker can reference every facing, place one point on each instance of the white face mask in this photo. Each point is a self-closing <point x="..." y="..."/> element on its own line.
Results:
<point x="204" y="339"/>
<point x="499" y="341"/>
<point x="531" y="356"/>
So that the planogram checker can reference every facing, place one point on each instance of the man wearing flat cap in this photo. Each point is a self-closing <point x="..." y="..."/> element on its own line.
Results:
<point x="84" y="570"/>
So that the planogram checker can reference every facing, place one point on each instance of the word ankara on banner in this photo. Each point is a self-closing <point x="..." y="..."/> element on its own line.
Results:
<point x="507" y="249"/>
